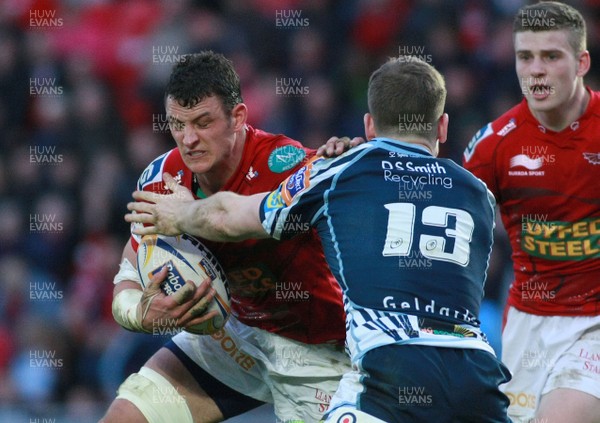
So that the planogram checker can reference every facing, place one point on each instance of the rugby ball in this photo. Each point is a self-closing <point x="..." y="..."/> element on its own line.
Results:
<point x="186" y="259"/>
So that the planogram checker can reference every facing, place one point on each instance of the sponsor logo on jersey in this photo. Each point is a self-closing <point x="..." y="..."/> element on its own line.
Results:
<point x="274" y="201"/>
<point x="296" y="183"/>
<point x="522" y="160"/>
<point x="593" y="158"/>
<point x="512" y="124"/>
<point x="531" y="165"/>
<point x="562" y="241"/>
<point x="410" y="166"/>
<point x="531" y="159"/>
<point x="178" y="176"/>
<point x="477" y="138"/>
<point x="248" y="282"/>
<point x="285" y="158"/>
<point x="415" y="304"/>
<point x="251" y="173"/>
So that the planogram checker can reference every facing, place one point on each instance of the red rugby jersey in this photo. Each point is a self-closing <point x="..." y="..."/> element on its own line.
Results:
<point x="548" y="187"/>
<point x="282" y="287"/>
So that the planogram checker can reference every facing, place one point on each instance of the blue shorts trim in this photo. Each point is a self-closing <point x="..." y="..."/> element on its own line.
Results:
<point x="230" y="402"/>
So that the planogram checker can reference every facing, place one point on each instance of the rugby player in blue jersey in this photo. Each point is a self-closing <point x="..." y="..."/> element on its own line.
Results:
<point x="408" y="237"/>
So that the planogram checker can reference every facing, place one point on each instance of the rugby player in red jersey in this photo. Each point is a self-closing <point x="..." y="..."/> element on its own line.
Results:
<point x="283" y="343"/>
<point x="541" y="159"/>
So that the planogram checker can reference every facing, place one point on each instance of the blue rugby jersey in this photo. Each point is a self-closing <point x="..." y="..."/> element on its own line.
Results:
<point x="408" y="237"/>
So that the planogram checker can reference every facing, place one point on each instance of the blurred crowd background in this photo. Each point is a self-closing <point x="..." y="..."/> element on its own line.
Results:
<point x="81" y="115"/>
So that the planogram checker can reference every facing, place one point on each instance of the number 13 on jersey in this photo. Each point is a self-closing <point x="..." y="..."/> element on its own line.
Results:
<point x="401" y="225"/>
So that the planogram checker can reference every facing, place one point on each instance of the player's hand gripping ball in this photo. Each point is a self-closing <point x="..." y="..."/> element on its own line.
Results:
<point x="186" y="259"/>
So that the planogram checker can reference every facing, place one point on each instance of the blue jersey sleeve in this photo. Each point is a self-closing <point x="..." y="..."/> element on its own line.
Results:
<point x="295" y="205"/>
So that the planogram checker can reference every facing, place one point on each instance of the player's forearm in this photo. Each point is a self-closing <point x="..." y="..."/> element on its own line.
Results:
<point x="199" y="219"/>
<point x="126" y="296"/>
<point x="224" y="217"/>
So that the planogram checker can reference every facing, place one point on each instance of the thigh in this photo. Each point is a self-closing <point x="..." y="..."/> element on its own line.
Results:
<point x="545" y="353"/>
<point x="568" y="405"/>
<point x="578" y="367"/>
<point x="201" y="406"/>
<point x="572" y="391"/>
<point x="230" y="402"/>
<point x="162" y="389"/>
<point x="528" y="359"/>
<point x="299" y="379"/>
<point x="229" y="356"/>
<point x="303" y="377"/>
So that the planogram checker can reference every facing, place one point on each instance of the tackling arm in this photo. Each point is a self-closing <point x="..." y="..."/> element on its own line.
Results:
<point x="224" y="216"/>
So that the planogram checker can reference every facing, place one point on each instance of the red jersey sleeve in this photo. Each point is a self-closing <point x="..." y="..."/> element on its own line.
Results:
<point x="151" y="179"/>
<point x="479" y="156"/>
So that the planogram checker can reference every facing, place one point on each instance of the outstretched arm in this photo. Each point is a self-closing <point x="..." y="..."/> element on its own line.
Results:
<point x="224" y="216"/>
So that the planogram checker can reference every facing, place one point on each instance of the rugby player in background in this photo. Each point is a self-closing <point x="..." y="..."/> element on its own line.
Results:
<point x="541" y="159"/>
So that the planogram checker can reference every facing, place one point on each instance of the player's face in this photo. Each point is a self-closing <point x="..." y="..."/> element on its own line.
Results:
<point x="548" y="69"/>
<point x="204" y="134"/>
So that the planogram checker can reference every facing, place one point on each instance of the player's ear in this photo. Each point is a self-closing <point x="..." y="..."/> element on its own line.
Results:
<point x="239" y="114"/>
<point x="583" y="63"/>
<point x="442" y="128"/>
<point x="370" y="132"/>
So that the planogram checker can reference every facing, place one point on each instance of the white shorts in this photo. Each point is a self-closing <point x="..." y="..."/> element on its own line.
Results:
<point x="548" y="352"/>
<point x="299" y="379"/>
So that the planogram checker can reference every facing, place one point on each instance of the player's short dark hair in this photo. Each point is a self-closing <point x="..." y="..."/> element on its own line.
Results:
<point x="406" y="96"/>
<point x="205" y="74"/>
<point x="553" y="16"/>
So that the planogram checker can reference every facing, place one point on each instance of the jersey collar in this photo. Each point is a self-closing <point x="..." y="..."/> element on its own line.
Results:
<point x="570" y="132"/>
<point x="409" y="148"/>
